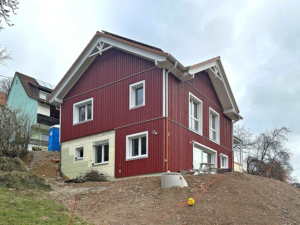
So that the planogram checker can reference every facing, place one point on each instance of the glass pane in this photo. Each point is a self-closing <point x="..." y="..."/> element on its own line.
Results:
<point x="139" y="98"/>
<point x="144" y="150"/>
<point x="191" y="107"/>
<point x="206" y="157"/>
<point x="223" y="162"/>
<point x="81" y="153"/>
<point x="195" y="110"/>
<point x="89" y="111"/>
<point x="106" y="153"/>
<point x="98" y="154"/>
<point x="135" y="147"/>
<point x="196" y="125"/>
<point x="213" y="121"/>
<point x="214" y="137"/>
<point x="81" y="113"/>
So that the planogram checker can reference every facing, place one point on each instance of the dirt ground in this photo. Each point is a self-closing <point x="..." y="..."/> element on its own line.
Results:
<point x="234" y="198"/>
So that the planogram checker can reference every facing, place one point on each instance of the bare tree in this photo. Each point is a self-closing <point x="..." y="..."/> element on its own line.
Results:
<point x="5" y="86"/>
<point x="7" y="7"/>
<point x="5" y="56"/>
<point x="266" y="148"/>
<point x="15" y="132"/>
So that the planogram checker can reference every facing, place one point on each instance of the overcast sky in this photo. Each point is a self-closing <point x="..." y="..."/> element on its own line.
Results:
<point x="258" y="41"/>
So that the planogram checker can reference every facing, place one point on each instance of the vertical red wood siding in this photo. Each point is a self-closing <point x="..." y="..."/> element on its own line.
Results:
<point x="180" y="149"/>
<point x="111" y="102"/>
<point x="155" y="161"/>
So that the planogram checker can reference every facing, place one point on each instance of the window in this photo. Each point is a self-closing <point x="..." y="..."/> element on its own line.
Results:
<point x="137" y="95"/>
<point x="79" y="153"/>
<point x="101" y="154"/>
<point x="45" y="137"/>
<point x="83" y="111"/>
<point x="137" y="146"/>
<point x="224" y="161"/>
<point x="214" y="126"/>
<point x="195" y="114"/>
<point x="43" y="95"/>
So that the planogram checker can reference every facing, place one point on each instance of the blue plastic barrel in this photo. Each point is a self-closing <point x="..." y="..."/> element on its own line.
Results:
<point x="54" y="138"/>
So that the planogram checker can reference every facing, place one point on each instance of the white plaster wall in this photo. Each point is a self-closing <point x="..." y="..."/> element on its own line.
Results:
<point x="88" y="150"/>
<point x="43" y="109"/>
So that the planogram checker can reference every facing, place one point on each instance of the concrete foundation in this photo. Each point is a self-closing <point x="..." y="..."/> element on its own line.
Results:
<point x="172" y="179"/>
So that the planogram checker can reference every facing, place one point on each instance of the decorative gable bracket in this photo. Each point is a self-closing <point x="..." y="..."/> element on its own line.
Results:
<point x="100" y="47"/>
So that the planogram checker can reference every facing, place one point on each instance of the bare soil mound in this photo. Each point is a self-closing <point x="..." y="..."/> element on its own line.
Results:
<point x="235" y="198"/>
<point x="14" y="174"/>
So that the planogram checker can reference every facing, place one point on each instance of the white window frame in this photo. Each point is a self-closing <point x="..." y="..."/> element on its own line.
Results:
<point x="77" y="153"/>
<point x="132" y="94"/>
<point x="43" y="93"/>
<point x="204" y="148"/>
<point x="102" y="149"/>
<point x="217" y="130"/>
<point x="200" y="114"/>
<point x="129" y="145"/>
<point x="226" y="162"/>
<point x="76" y="110"/>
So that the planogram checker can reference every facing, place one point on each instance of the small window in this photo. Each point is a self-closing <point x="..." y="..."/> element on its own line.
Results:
<point x="137" y="146"/>
<point x="137" y="95"/>
<point x="43" y="95"/>
<point x="224" y="161"/>
<point x="214" y="125"/>
<point x="101" y="154"/>
<point x="45" y="137"/>
<point x="195" y="114"/>
<point x="83" y="111"/>
<point x="79" y="153"/>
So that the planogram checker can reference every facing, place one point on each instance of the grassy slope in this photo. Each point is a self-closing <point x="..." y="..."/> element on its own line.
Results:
<point x="32" y="207"/>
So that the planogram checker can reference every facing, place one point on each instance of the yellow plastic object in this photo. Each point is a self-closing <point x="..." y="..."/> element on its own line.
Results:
<point x="191" y="201"/>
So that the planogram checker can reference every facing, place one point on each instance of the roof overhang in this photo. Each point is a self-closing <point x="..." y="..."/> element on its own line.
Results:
<point x="102" y="42"/>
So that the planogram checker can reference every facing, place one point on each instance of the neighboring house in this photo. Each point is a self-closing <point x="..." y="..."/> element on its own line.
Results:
<point x="2" y="98"/>
<point x="129" y="109"/>
<point x="29" y="95"/>
<point x="238" y="154"/>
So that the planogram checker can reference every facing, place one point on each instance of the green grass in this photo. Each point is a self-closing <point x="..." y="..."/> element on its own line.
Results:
<point x="32" y="207"/>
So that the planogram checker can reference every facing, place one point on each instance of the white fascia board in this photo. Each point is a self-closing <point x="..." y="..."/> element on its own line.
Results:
<point x="66" y="81"/>
<point x="84" y="62"/>
<point x="202" y="68"/>
<point x="133" y="50"/>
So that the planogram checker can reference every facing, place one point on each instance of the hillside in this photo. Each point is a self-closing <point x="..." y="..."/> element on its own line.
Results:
<point x="235" y="198"/>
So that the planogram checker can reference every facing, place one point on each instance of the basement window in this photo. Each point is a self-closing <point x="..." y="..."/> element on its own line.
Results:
<point x="101" y="154"/>
<point x="137" y="95"/>
<point x="214" y="125"/>
<point x="224" y="161"/>
<point x="79" y="153"/>
<point x="195" y="113"/>
<point x="137" y="146"/>
<point x="83" y="111"/>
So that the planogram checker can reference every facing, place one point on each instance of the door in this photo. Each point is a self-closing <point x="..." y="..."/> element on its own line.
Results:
<point x="197" y="157"/>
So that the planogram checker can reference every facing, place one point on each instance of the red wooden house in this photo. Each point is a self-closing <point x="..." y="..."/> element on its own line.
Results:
<point x="128" y="109"/>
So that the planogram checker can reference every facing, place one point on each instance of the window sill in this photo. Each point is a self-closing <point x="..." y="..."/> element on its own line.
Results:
<point x="215" y="141"/>
<point x="82" y="122"/>
<point x="195" y="131"/>
<point x="97" y="164"/>
<point x="138" y="106"/>
<point x="78" y="159"/>
<point x="137" y="157"/>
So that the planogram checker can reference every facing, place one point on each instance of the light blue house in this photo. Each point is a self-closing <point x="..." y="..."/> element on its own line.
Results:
<point x="29" y="95"/>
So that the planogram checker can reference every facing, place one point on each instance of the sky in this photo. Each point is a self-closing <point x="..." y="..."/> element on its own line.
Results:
<point x="258" y="41"/>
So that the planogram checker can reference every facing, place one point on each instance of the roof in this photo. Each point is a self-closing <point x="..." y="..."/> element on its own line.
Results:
<point x="105" y="40"/>
<point x="30" y="85"/>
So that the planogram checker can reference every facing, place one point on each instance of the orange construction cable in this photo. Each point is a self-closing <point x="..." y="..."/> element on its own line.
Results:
<point x="73" y="210"/>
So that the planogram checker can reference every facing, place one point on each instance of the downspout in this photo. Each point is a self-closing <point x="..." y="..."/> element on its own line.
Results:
<point x="167" y="118"/>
